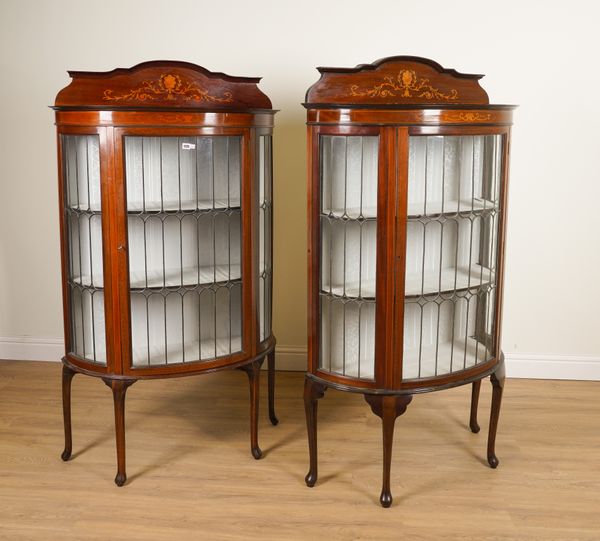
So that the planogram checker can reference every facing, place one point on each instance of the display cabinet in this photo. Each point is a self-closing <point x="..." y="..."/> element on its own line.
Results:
<point x="408" y="168"/>
<point x="165" y="184"/>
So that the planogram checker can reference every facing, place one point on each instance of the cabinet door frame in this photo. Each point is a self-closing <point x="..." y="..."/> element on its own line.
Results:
<point x="249" y="229"/>
<point x="384" y="258"/>
<point x="105" y="156"/>
<point x="448" y="380"/>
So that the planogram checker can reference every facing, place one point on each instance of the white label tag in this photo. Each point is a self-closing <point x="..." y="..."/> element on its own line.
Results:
<point x="188" y="146"/>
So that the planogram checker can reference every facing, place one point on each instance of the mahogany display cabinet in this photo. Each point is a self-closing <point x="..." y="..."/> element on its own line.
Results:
<point x="408" y="168"/>
<point x="165" y="185"/>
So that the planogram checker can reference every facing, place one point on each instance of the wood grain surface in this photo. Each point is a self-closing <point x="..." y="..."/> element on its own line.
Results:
<point x="191" y="476"/>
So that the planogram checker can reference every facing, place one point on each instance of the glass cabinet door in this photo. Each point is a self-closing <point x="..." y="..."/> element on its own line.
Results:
<point x="83" y="219"/>
<point x="185" y="247"/>
<point x="451" y="253"/>
<point x="348" y="226"/>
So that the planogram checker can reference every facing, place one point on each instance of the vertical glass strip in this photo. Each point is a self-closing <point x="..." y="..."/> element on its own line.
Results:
<point x="348" y="223"/>
<point x="83" y="219"/>
<point x="265" y="235"/>
<point x="451" y="252"/>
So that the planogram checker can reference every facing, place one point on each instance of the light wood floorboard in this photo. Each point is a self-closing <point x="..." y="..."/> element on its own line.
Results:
<point x="191" y="475"/>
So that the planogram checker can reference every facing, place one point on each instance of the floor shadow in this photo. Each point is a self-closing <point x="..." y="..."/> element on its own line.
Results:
<point x="91" y="444"/>
<point x="287" y="440"/>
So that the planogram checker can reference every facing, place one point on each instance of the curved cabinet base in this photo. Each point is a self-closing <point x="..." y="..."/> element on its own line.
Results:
<point x="390" y="406"/>
<point x="119" y="386"/>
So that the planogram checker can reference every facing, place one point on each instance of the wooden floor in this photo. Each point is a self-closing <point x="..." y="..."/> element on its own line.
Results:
<point x="191" y="475"/>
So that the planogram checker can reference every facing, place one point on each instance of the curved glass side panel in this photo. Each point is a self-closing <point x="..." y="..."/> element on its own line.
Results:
<point x="83" y="218"/>
<point x="348" y="225"/>
<point x="265" y="221"/>
<point x="185" y="248"/>
<point x="451" y="253"/>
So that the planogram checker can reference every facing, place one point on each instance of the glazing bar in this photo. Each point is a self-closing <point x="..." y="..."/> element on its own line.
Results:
<point x="147" y="327"/>
<point x="143" y="140"/>
<point x="198" y="218"/>
<point x="360" y="305"/>
<point x="214" y="294"/>
<point x="227" y="172"/>
<point x="164" y="300"/>
<point x="199" y="293"/>
<point x="80" y="260"/>
<point x="473" y="174"/>
<point x="182" y="328"/>
<point x="230" y="313"/>
<point x="212" y="158"/>
<point x="420" y="338"/>
<point x="92" y="293"/>
<point x="179" y="172"/>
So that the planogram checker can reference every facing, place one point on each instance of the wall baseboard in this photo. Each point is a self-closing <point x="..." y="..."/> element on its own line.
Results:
<point x="534" y="366"/>
<point x="568" y="367"/>
<point x="32" y="349"/>
<point x="572" y="367"/>
<point x="52" y="349"/>
<point x="292" y="358"/>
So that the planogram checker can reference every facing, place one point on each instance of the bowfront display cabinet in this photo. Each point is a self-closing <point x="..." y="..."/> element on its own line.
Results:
<point x="165" y="183"/>
<point x="407" y="202"/>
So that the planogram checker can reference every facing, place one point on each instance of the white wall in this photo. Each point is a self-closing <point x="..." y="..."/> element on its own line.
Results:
<point x="540" y="55"/>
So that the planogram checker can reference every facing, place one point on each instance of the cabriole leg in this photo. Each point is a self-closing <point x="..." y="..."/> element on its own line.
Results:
<point x="497" y="379"/>
<point x="313" y="391"/>
<point x="253" y="372"/>
<point x="473" y="424"/>
<point x="67" y="377"/>
<point x="119" y="388"/>
<point x="271" y="381"/>
<point x="388" y="407"/>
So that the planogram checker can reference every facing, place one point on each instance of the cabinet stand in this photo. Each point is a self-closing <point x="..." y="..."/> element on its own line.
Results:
<point x="473" y="424"/>
<point x="119" y="388"/>
<point x="388" y="408"/>
<point x="313" y="391"/>
<point x="497" y="379"/>
<point x="253" y="372"/>
<point x="271" y="382"/>
<point x="67" y="378"/>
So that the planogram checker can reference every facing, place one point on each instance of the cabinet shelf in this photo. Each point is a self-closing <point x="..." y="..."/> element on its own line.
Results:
<point x="84" y="282"/>
<point x="191" y="352"/>
<point x="447" y="280"/>
<point x="418" y="209"/>
<point x="176" y="206"/>
<point x="189" y="277"/>
<point x="443" y="358"/>
<point x="350" y="213"/>
<point x="347" y="218"/>
<point x="174" y="277"/>
<point x="150" y="211"/>
<point x="430" y="283"/>
<point x="464" y="207"/>
<point x="351" y="291"/>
